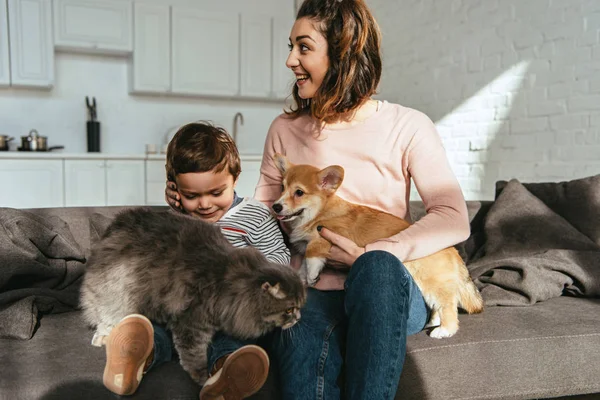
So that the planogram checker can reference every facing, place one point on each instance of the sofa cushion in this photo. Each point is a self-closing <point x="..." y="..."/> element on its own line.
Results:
<point x="547" y="350"/>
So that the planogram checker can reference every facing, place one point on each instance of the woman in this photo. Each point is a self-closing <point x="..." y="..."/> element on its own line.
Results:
<point x="360" y="316"/>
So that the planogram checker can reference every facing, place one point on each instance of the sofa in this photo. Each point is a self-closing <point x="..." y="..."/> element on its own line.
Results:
<point x="539" y="348"/>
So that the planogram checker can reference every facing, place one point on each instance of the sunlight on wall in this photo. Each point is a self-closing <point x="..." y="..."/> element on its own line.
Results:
<point x="468" y="131"/>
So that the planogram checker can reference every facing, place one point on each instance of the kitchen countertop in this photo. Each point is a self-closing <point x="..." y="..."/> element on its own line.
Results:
<point x="44" y="155"/>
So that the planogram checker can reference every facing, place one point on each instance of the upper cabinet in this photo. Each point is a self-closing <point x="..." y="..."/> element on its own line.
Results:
<point x="94" y="25"/>
<point x="205" y="52"/>
<point x="31" y="48"/>
<point x="282" y="77"/>
<point x="255" y="66"/>
<point x="208" y="53"/>
<point x="151" y="60"/>
<point x="4" y="55"/>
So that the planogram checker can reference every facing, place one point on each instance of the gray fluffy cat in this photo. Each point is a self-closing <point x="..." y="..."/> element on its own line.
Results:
<point x="181" y="271"/>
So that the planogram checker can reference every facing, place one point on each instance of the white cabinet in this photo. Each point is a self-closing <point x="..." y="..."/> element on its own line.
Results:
<point x="4" y="55"/>
<point x="204" y="52"/>
<point x="151" y="61"/>
<point x="248" y="179"/>
<point x="31" y="183"/>
<point x="125" y="183"/>
<point x="93" y="25"/>
<point x="255" y="65"/>
<point x="31" y="48"/>
<point x="282" y="77"/>
<point x="85" y="183"/>
<point x="104" y="182"/>
<point x="156" y="180"/>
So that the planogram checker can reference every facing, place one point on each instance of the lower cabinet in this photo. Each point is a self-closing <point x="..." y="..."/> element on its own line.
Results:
<point x="31" y="183"/>
<point x="95" y="182"/>
<point x="104" y="182"/>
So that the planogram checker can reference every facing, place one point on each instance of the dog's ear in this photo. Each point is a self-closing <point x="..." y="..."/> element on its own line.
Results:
<point x="281" y="162"/>
<point x="331" y="178"/>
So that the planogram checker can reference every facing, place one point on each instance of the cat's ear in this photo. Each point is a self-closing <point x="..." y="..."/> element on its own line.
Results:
<point x="281" y="162"/>
<point x="273" y="290"/>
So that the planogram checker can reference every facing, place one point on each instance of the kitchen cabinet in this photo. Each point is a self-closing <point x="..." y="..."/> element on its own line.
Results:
<point x="156" y="178"/>
<point x="204" y="52"/>
<point x="282" y="77"/>
<point x="104" y="182"/>
<point x="233" y="57"/>
<point x="255" y="66"/>
<point x="4" y="55"/>
<point x="30" y="41"/>
<point x="248" y="177"/>
<point x="31" y="183"/>
<point x="150" y="66"/>
<point x="97" y="26"/>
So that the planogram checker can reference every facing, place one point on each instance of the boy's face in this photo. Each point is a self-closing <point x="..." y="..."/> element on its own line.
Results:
<point x="207" y="195"/>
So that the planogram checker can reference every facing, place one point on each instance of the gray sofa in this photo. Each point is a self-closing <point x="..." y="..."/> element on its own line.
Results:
<point x="549" y="349"/>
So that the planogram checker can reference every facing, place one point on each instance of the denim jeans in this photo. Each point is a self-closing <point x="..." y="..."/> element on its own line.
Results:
<point x="356" y="336"/>
<point x="220" y="345"/>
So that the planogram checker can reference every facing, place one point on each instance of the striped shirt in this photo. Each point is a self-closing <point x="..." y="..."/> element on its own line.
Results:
<point x="250" y="223"/>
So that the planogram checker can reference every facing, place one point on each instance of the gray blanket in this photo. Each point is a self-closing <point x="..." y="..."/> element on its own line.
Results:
<point x="40" y="269"/>
<point x="542" y="241"/>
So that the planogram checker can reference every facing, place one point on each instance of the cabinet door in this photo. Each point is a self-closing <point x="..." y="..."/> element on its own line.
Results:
<point x="93" y="25"/>
<point x="31" y="183"/>
<point x="31" y="48"/>
<point x="4" y="60"/>
<point x="85" y="183"/>
<point x="156" y="178"/>
<point x="205" y="52"/>
<point x="256" y="56"/>
<point x="282" y="76"/>
<point x="125" y="183"/>
<point x="248" y="178"/>
<point x="151" y="61"/>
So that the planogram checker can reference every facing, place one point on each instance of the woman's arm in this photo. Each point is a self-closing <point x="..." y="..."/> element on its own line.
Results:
<point x="268" y="188"/>
<point x="446" y="222"/>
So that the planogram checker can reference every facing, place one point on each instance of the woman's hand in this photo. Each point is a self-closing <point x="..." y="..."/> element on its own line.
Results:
<point x="344" y="251"/>
<point x="172" y="196"/>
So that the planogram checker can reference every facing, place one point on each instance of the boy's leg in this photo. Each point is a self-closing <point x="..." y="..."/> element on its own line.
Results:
<point x="238" y="368"/>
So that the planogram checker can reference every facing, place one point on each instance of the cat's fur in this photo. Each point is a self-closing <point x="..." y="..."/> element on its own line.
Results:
<point x="181" y="271"/>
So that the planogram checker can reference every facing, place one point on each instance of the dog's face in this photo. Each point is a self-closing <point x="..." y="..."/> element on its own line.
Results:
<point x="305" y="190"/>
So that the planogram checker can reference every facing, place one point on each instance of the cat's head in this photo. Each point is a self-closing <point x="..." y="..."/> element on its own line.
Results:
<point x="268" y="295"/>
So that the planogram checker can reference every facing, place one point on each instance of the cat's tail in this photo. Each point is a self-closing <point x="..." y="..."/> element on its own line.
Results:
<point x="469" y="297"/>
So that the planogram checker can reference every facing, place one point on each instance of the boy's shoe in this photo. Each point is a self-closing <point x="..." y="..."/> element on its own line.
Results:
<point x="242" y="374"/>
<point x="128" y="348"/>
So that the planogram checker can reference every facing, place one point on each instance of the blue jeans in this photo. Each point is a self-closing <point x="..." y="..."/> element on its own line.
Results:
<point x="357" y="335"/>
<point x="220" y="346"/>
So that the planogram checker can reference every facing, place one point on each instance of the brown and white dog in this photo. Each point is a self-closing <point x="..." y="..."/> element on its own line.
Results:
<point x="309" y="200"/>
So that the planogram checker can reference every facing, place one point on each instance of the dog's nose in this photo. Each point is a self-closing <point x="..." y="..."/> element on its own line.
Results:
<point x="277" y="207"/>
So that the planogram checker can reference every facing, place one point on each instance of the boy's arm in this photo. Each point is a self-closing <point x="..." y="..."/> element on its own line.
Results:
<point x="268" y="239"/>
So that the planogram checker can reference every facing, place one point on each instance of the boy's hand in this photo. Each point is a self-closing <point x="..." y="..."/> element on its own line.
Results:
<point x="344" y="251"/>
<point x="172" y="196"/>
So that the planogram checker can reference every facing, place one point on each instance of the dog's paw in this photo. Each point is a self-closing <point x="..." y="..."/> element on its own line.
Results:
<point x="434" y="321"/>
<point x="440" y="333"/>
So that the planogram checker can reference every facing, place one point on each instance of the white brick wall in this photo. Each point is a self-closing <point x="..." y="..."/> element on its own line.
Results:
<point x="513" y="85"/>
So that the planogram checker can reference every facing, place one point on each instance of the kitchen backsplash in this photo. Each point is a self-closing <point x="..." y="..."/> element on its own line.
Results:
<point x="128" y="122"/>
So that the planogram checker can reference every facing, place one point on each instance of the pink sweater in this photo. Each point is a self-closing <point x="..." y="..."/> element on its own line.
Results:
<point x="380" y="156"/>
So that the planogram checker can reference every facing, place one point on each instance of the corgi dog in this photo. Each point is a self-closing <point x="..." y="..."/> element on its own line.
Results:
<point x="309" y="200"/>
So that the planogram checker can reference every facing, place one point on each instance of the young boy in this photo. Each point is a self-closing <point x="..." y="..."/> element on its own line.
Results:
<point x="204" y="162"/>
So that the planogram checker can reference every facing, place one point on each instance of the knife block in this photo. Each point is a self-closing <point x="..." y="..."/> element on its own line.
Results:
<point x="93" y="136"/>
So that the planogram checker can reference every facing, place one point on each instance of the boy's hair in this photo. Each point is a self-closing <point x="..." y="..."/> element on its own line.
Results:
<point x="354" y="42"/>
<point x="202" y="147"/>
